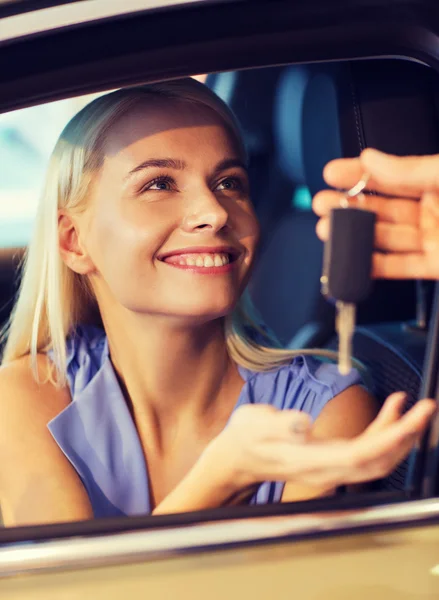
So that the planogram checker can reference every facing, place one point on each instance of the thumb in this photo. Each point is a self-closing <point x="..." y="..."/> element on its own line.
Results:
<point x="408" y="176"/>
<point x="299" y="427"/>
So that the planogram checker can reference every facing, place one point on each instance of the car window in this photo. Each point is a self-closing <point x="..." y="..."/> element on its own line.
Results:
<point x="27" y="138"/>
<point x="286" y="156"/>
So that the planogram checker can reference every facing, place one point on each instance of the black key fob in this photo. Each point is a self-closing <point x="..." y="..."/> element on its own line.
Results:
<point x="347" y="258"/>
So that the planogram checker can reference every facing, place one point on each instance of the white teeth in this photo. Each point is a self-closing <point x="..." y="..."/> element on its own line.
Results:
<point x="204" y="260"/>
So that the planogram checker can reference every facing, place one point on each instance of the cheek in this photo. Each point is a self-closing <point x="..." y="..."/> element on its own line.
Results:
<point x="121" y="244"/>
<point x="249" y="229"/>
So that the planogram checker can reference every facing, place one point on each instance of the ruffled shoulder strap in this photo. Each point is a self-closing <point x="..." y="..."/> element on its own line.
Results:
<point x="305" y="384"/>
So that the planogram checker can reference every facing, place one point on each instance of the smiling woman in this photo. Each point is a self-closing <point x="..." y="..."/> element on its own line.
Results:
<point x="135" y="380"/>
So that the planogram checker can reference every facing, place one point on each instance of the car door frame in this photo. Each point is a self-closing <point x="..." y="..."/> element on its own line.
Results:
<point x="205" y="36"/>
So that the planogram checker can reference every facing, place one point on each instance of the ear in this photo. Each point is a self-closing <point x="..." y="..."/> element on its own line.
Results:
<point x="70" y="247"/>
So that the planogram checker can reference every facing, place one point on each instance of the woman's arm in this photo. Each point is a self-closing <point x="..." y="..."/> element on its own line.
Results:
<point x="346" y="416"/>
<point x="209" y="484"/>
<point x="348" y="446"/>
<point x="37" y="483"/>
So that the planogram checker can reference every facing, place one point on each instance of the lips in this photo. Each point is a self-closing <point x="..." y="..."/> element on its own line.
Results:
<point x="208" y="260"/>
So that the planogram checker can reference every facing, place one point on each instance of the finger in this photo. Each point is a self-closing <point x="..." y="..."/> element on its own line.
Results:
<point x="404" y="212"/>
<point x="405" y="176"/>
<point x="377" y="455"/>
<point x="430" y="200"/>
<point x="361" y="459"/>
<point x="404" y="266"/>
<point x="388" y="236"/>
<point x="390" y="412"/>
<point x="393" y="175"/>
<point x="397" y="436"/>
<point x="344" y="173"/>
<point x="400" y="263"/>
<point x="291" y="426"/>
<point x="415" y="420"/>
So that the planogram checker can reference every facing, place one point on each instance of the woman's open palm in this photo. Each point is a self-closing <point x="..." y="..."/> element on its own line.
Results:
<point x="267" y="444"/>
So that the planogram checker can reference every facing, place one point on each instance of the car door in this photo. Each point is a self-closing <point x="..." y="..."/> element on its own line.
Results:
<point x="383" y="546"/>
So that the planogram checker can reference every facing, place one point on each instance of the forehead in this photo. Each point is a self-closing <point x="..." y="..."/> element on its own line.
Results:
<point x="166" y="122"/>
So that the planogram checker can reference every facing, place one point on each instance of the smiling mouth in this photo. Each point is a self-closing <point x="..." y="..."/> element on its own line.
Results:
<point x="206" y="260"/>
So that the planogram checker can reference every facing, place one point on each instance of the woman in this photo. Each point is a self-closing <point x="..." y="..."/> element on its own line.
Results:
<point x="133" y="381"/>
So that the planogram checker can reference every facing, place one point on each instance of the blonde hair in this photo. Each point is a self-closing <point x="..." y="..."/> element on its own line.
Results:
<point x="52" y="298"/>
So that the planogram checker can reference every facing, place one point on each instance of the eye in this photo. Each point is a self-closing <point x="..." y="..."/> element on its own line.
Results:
<point x="163" y="183"/>
<point x="230" y="183"/>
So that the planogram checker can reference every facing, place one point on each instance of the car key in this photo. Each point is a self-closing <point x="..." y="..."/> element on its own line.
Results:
<point x="347" y="266"/>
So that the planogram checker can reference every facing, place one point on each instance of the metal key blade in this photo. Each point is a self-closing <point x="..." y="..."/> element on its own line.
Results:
<point x="345" y="325"/>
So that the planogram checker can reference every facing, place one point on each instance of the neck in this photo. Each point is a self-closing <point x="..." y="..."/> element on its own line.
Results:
<point x="172" y="374"/>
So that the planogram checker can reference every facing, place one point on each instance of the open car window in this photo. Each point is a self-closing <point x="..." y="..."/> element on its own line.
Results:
<point x="294" y="117"/>
<point x="277" y="109"/>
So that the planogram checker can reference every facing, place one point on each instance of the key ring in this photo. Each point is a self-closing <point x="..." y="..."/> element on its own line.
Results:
<point x="355" y="192"/>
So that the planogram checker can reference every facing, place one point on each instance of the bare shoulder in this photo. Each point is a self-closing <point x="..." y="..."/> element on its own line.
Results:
<point x="37" y="482"/>
<point x="347" y="414"/>
<point x="22" y="395"/>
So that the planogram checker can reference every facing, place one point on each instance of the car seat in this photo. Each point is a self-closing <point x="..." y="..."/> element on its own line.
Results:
<point x="312" y="122"/>
<point x="253" y="96"/>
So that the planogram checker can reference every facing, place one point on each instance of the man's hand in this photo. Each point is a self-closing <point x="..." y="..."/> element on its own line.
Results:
<point x="407" y="207"/>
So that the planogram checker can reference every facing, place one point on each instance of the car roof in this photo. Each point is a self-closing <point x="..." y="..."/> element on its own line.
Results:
<point x="135" y="41"/>
<point x="22" y="18"/>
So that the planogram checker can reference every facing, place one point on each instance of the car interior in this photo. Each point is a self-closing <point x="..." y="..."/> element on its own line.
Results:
<point x="294" y="120"/>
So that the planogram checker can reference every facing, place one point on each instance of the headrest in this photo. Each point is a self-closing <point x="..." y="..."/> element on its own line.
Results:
<point x="250" y="95"/>
<point x="336" y="110"/>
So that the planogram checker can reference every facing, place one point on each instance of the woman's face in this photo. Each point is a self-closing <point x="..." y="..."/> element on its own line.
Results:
<point x="171" y="230"/>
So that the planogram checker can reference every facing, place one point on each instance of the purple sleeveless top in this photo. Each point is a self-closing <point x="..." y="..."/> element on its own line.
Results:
<point x="97" y="434"/>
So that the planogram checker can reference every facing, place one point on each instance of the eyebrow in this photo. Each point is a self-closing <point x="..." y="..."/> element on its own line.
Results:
<point x="229" y="163"/>
<point x="179" y="165"/>
<point x="158" y="163"/>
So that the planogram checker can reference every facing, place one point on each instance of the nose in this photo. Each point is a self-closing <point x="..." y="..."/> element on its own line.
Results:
<point x="205" y="212"/>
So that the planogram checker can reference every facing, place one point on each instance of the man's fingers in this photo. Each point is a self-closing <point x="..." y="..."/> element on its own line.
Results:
<point x="402" y="175"/>
<point x="404" y="266"/>
<point x="407" y="176"/>
<point x="343" y="173"/>
<point x="388" y="236"/>
<point x="398" y="210"/>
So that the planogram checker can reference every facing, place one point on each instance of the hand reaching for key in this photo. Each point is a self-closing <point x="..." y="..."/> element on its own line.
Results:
<point x="264" y="444"/>
<point x="406" y="204"/>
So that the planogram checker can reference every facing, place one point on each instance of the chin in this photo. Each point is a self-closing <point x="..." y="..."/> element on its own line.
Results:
<point x="203" y="314"/>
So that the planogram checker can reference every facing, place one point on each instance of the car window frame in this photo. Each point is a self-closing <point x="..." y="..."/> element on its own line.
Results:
<point x="360" y="41"/>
